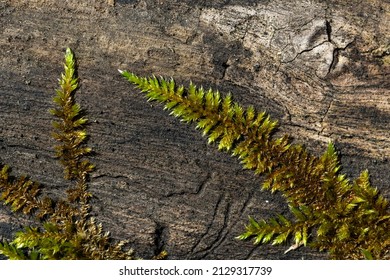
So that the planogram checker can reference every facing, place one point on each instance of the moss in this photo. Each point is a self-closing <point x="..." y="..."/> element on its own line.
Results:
<point x="348" y="219"/>
<point x="66" y="230"/>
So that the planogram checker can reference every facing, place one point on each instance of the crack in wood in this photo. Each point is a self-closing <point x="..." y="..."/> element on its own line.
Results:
<point x="218" y="231"/>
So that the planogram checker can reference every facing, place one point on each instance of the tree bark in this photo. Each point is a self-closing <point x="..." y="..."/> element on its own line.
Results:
<point x="319" y="67"/>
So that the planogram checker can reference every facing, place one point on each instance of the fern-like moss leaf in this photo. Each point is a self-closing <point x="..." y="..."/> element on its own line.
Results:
<point x="318" y="195"/>
<point x="66" y="230"/>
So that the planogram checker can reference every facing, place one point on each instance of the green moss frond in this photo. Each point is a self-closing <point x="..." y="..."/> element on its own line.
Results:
<point x="224" y="122"/>
<point x="349" y="220"/>
<point x="81" y="240"/>
<point x="11" y="251"/>
<point x="70" y="128"/>
<point x="66" y="230"/>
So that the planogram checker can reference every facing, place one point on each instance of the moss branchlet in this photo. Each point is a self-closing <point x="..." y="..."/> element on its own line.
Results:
<point x="66" y="231"/>
<point x="350" y="220"/>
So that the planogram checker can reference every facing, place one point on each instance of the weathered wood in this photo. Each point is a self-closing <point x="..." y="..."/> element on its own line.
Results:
<point x="320" y="67"/>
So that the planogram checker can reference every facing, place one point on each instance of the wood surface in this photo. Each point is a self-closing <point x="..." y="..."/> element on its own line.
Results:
<point x="321" y="68"/>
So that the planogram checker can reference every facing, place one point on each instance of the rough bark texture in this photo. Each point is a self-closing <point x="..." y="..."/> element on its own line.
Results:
<point x="320" y="67"/>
